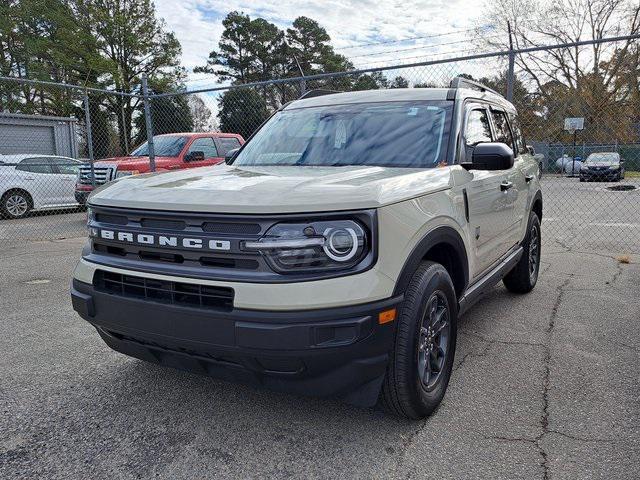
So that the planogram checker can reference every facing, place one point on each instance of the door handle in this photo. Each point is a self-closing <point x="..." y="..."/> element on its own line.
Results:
<point x="504" y="186"/>
<point x="528" y="178"/>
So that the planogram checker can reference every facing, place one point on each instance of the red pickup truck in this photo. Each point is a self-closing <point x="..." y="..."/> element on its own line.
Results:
<point x="173" y="151"/>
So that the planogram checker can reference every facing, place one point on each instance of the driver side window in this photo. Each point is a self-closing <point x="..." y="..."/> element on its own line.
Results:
<point x="477" y="130"/>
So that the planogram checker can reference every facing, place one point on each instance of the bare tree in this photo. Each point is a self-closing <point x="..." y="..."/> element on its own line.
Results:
<point x="591" y="81"/>
<point x="203" y="118"/>
<point x="538" y="23"/>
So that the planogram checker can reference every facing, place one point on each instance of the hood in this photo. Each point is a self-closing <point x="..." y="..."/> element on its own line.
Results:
<point x="228" y="189"/>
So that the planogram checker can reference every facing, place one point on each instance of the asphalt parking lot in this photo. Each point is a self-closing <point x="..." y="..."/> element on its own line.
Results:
<point x="546" y="385"/>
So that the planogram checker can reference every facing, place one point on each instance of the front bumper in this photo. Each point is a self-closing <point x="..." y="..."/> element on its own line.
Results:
<point x="82" y="195"/>
<point x="341" y="352"/>
<point x="599" y="174"/>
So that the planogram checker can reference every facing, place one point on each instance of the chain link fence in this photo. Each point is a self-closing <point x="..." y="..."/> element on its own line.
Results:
<point x="58" y="142"/>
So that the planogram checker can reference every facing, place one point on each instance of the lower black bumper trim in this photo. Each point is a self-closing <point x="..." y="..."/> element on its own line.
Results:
<point x="330" y="352"/>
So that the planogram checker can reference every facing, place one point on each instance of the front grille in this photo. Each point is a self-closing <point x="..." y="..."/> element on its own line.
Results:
<point x="230" y="228"/>
<point x="112" y="219"/>
<point x="163" y="224"/>
<point x="164" y="291"/>
<point x="195" y="245"/>
<point x="102" y="174"/>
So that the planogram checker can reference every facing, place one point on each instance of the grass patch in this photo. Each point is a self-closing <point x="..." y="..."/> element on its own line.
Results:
<point x="632" y="174"/>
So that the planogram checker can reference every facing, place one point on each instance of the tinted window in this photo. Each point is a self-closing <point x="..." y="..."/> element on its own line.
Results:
<point x="478" y="129"/>
<point x="164" y="146"/>
<point x="503" y="133"/>
<point x="517" y="132"/>
<point x="397" y="134"/>
<point x="66" y="165"/>
<point x="227" y="144"/>
<point x="204" y="145"/>
<point x="35" y="165"/>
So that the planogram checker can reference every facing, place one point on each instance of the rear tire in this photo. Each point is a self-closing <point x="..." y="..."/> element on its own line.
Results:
<point x="524" y="276"/>
<point x="424" y="346"/>
<point x="15" y="204"/>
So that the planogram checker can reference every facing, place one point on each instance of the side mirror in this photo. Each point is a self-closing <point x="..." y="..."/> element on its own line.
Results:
<point x="491" y="156"/>
<point x="195" y="156"/>
<point x="230" y="155"/>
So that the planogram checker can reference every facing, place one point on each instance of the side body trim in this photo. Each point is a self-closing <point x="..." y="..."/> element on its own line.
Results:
<point x="479" y="288"/>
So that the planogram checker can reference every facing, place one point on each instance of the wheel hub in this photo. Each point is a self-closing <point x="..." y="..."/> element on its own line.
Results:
<point x="433" y="340"/>
<point x="534" y="252"/>
<point x="16" y="205"/>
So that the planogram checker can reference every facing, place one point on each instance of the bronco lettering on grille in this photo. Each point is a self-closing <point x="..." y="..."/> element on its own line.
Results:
<point x="195" y="243"/>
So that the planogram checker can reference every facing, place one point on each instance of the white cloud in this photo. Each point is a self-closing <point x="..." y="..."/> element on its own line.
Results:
<point x="198" y="24"/>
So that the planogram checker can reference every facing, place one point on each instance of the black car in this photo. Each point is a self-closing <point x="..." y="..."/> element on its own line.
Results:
<point x="602" y="166"/>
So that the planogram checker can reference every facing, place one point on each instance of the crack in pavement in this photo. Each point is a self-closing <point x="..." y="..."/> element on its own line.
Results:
<point x="546" y="380"/>
<point x="483" y="353"/>
<point x="406" y="444"/>
<point x="617" y="274"/>
<point x="555" y="432"/>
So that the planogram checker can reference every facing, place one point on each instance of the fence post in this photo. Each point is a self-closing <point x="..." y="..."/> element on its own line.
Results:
<point x="512" y="61"/>
<point x="87" y="121"/>
<point x="303" y="87"/>
<point x="147" y="119"/>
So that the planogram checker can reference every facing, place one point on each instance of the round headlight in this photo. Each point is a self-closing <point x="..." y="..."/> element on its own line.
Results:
<point x="341" y="244"/>
<point x="317" y="246"/>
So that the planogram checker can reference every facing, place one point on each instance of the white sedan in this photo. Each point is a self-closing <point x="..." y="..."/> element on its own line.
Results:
<point x="36" y="182"/>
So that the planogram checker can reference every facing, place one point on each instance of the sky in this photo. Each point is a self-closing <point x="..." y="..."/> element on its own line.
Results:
<point x="198" y="26"/>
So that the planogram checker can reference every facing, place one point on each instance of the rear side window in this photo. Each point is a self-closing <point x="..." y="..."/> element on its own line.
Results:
<point x="204" y="145"/>
<point x="35" y="165"/>
<point x="66" y="166"/>
<point x="503" y="132"/>
<point x="227" y="143"/>
<point x="517" y="132"/>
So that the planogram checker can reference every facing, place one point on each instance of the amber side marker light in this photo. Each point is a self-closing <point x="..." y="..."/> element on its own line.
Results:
<point x="387" y="316"/>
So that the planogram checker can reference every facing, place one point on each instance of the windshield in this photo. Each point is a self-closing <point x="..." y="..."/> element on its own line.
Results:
<point x="604" y="158"/>
<point x="394" y="134"/>
<point x="164" y="146"/>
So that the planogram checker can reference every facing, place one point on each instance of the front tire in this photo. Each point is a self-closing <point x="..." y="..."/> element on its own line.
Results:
<point x="524" y="276"/>
<point x="15" y="204"/>
<point x="424" y="346"/>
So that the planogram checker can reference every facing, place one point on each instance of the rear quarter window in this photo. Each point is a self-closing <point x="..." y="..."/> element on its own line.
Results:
<point x="227" y="143"/>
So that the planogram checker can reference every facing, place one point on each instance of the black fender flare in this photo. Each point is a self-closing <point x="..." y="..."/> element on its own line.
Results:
<point x="439" y="235"/>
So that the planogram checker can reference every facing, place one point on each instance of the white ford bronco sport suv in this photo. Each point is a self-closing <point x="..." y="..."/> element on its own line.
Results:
<point x="332" y="255"/>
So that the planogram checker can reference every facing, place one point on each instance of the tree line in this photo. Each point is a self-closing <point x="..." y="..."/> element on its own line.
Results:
<point x="255" y="50"/>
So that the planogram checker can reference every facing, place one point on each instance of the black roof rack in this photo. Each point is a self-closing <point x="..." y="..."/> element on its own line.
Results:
<point x="461" y="82"/>
<point x="317" y="93"/>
